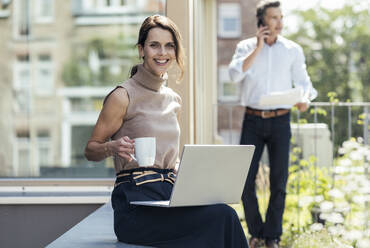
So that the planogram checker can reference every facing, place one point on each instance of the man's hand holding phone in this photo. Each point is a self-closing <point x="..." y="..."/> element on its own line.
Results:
<point x="263" y="33"/>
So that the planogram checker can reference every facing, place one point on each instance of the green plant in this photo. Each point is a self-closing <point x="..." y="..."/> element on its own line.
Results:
<point x="337" y="199"/>
<point x="319" y="239"/>
<point x="100" y="62"/>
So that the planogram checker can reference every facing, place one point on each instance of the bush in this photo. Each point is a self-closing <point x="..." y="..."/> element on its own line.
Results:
<point x="319" y="239"/>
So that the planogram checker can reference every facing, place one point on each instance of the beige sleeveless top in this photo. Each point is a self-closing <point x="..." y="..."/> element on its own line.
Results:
<point x="152" y="112"/>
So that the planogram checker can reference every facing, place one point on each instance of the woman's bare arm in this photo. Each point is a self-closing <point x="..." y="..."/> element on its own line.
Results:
<point x="110" y="120"/>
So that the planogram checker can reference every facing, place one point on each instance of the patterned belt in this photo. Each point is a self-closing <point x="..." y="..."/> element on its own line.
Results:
<point x="265" y="114"/>
<point x="142" y="177"/>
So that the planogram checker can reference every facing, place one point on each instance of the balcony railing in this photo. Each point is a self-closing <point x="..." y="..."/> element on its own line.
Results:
<point x="344" y="120"/>
<point x="232" y="114"/>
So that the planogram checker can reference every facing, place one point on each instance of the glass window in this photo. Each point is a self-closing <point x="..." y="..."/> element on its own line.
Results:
<point x="21" y="83"/>
<point x="109" y="6"/>
<point x="22" y="19"/>
<point x="44" y="149"/>
<point x="22" y="72"/>
<point x="114" y="3"/>
<point x="21" y="166"/>
<point x="44" y="10"/>
<point x="45" y="76"/>
<point x="4" y="8"/>
<point x="229" y="24"/>
<point x="228" y="90"/>
<point x="58" y="77"/>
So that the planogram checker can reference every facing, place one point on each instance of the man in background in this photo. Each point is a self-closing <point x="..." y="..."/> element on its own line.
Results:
<point x="264" y="64"/>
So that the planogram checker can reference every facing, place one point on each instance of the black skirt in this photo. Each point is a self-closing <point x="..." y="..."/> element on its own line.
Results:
<point x="202" y="226"/>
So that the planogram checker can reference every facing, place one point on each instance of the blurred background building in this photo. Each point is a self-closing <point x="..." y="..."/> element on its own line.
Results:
<point x="58" y="59"/>
<point x="236" y="22"/>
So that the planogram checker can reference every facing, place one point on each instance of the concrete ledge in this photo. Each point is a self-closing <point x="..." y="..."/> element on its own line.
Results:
<point x="56" y="182"/>
<point x="13" y="195"/>
<point x="96" y="230"/>
<point x="39" y="200"/>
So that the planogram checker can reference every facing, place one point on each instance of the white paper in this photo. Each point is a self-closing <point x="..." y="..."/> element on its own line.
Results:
<point x="288" y="97"/>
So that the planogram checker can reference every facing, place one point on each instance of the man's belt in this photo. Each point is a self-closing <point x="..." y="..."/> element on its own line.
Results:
<point x="265" y="114"/>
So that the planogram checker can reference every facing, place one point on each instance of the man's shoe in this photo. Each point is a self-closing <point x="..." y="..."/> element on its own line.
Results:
<point x="272" y="243"/>
<point x="255" y="242"/>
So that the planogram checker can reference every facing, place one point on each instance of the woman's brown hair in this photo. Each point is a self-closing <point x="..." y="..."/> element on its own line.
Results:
<point x="159" y="21"/>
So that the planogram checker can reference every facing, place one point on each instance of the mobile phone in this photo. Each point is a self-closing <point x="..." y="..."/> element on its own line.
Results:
<point x="261" y="22"/>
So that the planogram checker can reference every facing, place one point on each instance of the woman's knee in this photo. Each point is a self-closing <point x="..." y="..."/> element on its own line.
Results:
<point x="224" y="210"/>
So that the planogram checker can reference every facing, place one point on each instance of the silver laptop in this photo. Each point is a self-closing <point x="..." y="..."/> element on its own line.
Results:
<point x="208" y="174"/>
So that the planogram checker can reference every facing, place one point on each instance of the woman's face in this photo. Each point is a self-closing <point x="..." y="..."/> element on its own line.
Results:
<point x="159" y="51"/>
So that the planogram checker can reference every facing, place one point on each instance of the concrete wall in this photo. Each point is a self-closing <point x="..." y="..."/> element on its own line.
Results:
<point x="37" y="225"/>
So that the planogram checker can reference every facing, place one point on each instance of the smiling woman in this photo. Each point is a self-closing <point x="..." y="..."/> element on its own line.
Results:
<point x="144" y="107"/>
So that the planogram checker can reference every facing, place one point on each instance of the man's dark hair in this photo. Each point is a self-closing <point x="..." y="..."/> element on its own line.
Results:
<point x="262" y="7"/>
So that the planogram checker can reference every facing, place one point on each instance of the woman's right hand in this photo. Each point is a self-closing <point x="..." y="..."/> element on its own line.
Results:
<point x="122" y="147"/>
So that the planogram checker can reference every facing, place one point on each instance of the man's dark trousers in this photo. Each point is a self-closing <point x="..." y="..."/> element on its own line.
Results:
<point x="275" y="133"/>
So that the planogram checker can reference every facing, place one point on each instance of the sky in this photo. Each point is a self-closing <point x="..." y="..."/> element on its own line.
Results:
<point x="289" y="5"/>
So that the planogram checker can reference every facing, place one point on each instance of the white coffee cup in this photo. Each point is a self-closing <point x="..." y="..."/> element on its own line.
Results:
<point x="145" y="150"/>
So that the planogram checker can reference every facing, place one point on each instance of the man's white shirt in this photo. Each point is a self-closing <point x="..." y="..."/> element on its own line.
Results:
<point x="276" y="68"/>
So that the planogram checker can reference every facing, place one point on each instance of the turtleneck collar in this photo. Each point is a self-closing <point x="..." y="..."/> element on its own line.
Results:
<point x="148" y="79"/>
